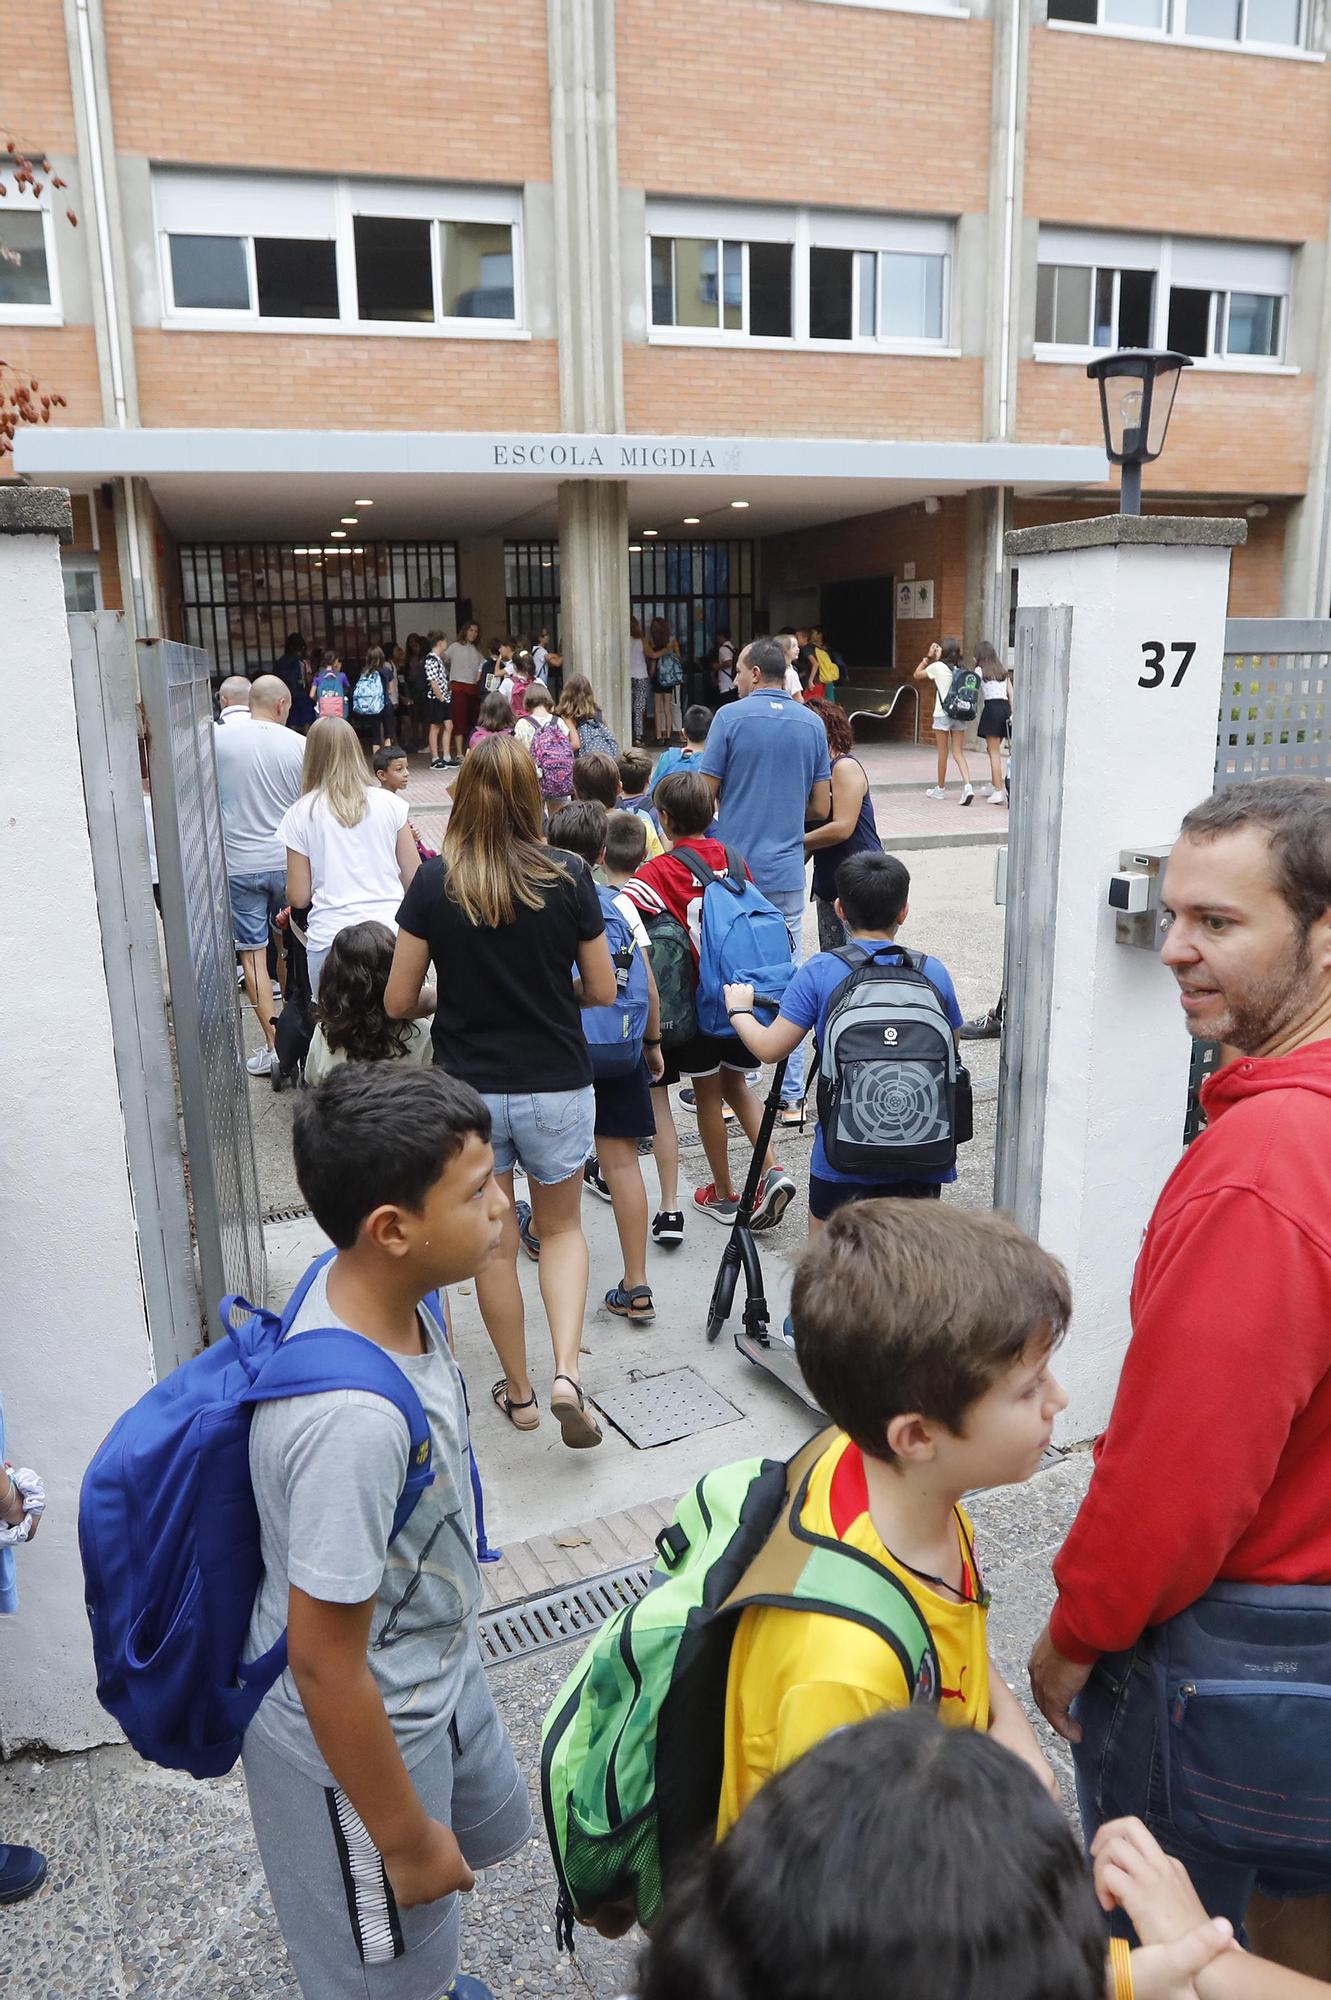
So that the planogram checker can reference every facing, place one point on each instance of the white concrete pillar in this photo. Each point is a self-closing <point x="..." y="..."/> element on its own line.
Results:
<point x="594" y="591"/>
<point x="75" y="1351"/>
<point x="1115" y="734"/>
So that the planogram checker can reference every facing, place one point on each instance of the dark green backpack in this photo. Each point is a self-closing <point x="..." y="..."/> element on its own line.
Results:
<point x="633" y="1747"/>
<point x="676" y="974"/>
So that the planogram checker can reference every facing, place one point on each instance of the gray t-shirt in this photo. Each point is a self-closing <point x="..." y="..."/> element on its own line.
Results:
<point x="259" y="768"/>
<point x="327" y="1471"/>
<point x="464" y="663"/>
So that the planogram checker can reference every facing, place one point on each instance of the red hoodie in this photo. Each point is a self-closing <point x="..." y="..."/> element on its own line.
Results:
<point x="1217" y="1460"/>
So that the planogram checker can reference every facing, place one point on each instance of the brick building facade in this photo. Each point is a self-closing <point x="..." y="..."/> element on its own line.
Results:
<point x="821" y="277"/>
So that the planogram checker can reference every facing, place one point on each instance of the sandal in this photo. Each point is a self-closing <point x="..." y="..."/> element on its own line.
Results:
<point x="793" y="1113"/>
<point x="501" y="1399"/>
<point x="580" y="1431"/>
<point x="634" y="1302"/>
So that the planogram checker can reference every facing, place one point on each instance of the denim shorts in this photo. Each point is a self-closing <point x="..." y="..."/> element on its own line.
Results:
<point x="255" y="901"/>
<point x="548" y="1133"/>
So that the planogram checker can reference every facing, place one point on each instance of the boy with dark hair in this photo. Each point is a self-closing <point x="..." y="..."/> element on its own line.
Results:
<point x="873" y="892"/>
<point x="378" y="1771"/>
<point x="926" y="1336"/>
<point x="624" y="1113"/>
<point x="634" y="770"/>
<point x="393" y="774"/>
<point x="596" y="776"/>
<point x="697" y="722"/>
<point x="715" y="1064"/>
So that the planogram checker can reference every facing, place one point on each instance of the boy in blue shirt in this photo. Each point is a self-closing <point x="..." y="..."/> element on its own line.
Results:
<point x="872" y="901"/>
<point x="697" y="722"/>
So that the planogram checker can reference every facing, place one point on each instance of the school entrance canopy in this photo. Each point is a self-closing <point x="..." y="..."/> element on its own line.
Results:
<point x="295" y="484"/>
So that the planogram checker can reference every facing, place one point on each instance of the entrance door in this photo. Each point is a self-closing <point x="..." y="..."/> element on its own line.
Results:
<point x="858" y="619"/>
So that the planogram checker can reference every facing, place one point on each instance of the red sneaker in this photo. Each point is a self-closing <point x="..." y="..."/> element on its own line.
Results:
<point x="721" y="1207"/>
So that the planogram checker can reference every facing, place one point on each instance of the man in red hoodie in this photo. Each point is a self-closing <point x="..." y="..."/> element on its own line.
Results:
<point x="1212" y="1483"/>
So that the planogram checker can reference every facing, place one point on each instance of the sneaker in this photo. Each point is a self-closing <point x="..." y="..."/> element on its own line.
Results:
<point x="688" y="1097"/>
<point x="438" y="763"/>
<point x="984" y="1028"/>
<point x="776" y="1191"/>
<point x="968" y="795"/>
<point x="531" y="1242"/>
<point x="594" y="1179"/>
<point x="277" y="993"/>
<point x="262" y="1064"/>
<point x="668" y="1228"/>
<point x="935" y="792"/>
<point x="721" y="1207"/>
<point x="996" y="798"/>
<point x="22" y="1872"/>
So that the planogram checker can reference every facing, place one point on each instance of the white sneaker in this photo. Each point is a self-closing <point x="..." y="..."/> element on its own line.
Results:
<point x="935" y="792"/>
<point x="997" y="798"/>
<point x="262" y="1064"/>
<point x="968" y="795"/>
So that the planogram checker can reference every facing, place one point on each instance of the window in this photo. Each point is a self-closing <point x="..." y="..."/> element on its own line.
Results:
<point x="1093" y="306"/>
<point x="531" y="590"/>
<point x="803" y="276"/>
<point x="29" y="292"/>
<point x="349" y="256"/>
<point x="699" y="588"/>
<point x="1269" y="24"/>
<point x="1216" y="301"/>
<point x="83" y="590"/>
<point x="721" y="287"/>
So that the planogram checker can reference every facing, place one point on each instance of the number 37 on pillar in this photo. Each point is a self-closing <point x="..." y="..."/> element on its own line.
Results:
<point x="1154" y="652"/>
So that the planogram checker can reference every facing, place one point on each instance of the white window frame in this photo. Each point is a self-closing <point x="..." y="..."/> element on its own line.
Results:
<point x="1175" y="32"/>
<point x="25" y="202"/>
<point x="804" y="230"/>
<point x="1214" y="265"/>
<point x="346" y="199"/>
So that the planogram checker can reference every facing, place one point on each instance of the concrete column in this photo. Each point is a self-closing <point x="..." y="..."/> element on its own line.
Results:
<point x="1095" y="1076"/>
<point x="76" y="1349"/>
<point x="594" y="587"/>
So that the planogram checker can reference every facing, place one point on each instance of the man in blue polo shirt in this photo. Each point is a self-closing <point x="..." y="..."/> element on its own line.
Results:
<point x="766" y="761"/>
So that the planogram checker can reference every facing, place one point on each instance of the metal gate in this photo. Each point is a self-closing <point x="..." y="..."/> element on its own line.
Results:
<point x="105" y="701"/>
<point x="1275" y="722"/>
<point x="201" y="959"/>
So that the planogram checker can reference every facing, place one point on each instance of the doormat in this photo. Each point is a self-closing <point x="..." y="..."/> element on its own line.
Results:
<point x="658" y="1409"/>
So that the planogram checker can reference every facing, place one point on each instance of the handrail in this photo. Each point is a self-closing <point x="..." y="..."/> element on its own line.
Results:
<point x="885" y="714"/>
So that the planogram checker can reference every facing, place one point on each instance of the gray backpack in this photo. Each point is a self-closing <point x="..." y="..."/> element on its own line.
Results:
<point x="893" y="1099"/>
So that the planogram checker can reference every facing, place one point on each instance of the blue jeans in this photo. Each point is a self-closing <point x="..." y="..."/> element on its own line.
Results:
<point x="790" y="902"/>
<point x="255" y="901"/>
<point x="548" y="1133"/>
<point x="1120" y="1771"/>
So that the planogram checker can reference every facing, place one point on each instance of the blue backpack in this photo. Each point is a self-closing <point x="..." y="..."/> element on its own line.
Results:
<point x="743" y="937"/>
<point x="169" y="1532"/>
<point x="367" y="697"/>
<point x="614" y="1033"/>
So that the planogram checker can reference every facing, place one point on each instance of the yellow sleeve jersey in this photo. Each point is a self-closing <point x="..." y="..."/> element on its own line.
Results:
<point x="795" y="1676"/>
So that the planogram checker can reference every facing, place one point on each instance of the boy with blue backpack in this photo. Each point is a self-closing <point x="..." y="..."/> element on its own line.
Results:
<point x="699" y="895"/>
<point x="324" y="1465"/>
<point x="625" y="1043"/>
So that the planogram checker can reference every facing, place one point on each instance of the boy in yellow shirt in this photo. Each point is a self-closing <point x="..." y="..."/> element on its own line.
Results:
<point x="926" y="1334"/>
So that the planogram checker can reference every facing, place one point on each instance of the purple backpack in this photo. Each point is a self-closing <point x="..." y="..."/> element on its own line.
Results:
<point x="553" y="755"/>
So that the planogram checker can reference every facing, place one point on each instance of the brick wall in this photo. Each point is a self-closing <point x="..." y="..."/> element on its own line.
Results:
<point x="843" y="106"/>
<point x="295" y="382"/>
<point x="1211" y="144"/>
<point x="749" y="392"/>
<point x="36" y="108"/>
<point x="1230" y="433"/>
<point x="881" y="545"/>
<point x="400" y="88"/>
<point x="1255" y="569"/>
<point x="62" y="358"/>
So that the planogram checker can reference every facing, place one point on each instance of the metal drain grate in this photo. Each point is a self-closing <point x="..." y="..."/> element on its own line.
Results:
<point x="284" y="1215"/>
<point x="651" y="1410"/>
<point x="536" y="1623"/>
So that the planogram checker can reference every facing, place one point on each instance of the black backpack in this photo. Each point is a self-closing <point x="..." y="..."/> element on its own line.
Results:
<point x="962" y="700"/>
<point x="893" y="1098"/>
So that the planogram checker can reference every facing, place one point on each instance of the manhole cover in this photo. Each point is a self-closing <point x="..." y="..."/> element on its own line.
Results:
<point x="657" y="1409"/>
<point x="537" y="1623"/>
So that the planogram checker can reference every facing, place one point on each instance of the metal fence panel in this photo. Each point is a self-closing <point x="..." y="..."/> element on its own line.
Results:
<point x="196" y="917"/>
<point x="1274" y="719"/>
<point x="1044" y="651"/>
<point x="105" y="698"/>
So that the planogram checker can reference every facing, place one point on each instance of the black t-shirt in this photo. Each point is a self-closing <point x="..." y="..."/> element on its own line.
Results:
<point x="506" y="1018"/>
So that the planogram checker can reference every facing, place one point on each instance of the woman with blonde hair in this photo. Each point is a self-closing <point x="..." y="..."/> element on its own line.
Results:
<point x="350" y="852"/>
<point x="503" y="918"/>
